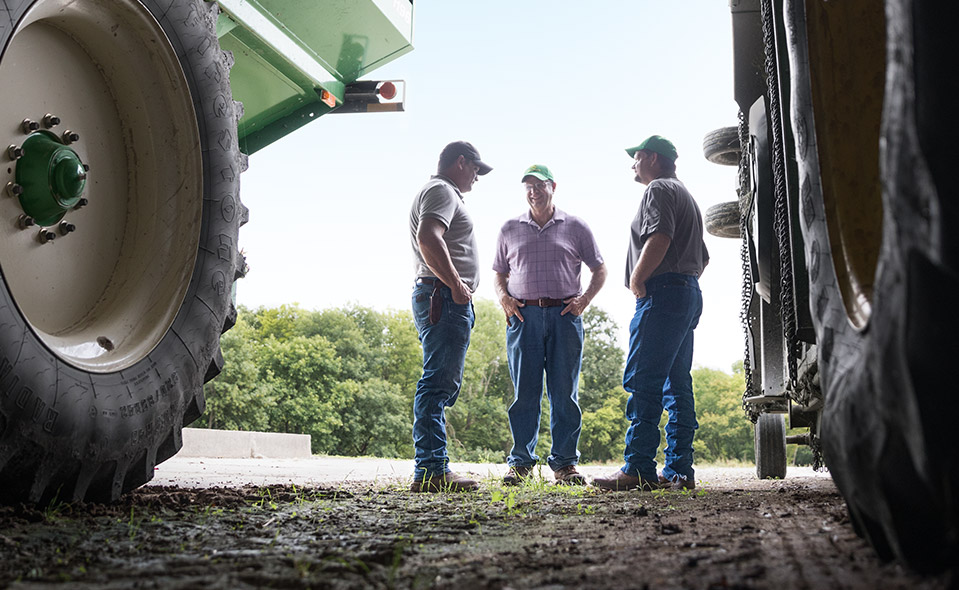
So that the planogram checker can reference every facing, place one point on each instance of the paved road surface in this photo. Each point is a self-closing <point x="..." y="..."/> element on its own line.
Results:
<point x="319" y="470"/>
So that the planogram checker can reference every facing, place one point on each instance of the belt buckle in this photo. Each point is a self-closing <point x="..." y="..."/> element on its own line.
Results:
<point x="542" y="301"/>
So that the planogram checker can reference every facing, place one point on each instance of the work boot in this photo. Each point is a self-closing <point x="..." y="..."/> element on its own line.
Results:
<point x="677" y="484"/>
<point x="621" y="481"/>
<point x="569" y="476"/>
<point x="516" y="474"/>
<point x="448" y="482"/>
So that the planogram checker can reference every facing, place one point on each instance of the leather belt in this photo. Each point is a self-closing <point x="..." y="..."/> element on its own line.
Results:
<point x="431" y="281"/>
<point x="543" y="302"/>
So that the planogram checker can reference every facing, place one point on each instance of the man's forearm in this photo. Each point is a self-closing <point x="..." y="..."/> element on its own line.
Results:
<point x="500" y="283"/>
<point x="435" y="254"/>
<point x="652" y="255"/>
<point x="437" y="258"/>
<point x="596" y="282"/>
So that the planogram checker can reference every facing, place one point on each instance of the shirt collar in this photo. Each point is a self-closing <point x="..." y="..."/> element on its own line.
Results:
<point x="450" y="182"/>
<point x="558" y="215"/>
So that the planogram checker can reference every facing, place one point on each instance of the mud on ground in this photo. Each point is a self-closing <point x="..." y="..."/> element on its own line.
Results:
<point x="792" y="533"/>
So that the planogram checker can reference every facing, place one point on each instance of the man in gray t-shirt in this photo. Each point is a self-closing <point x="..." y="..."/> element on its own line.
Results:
<point x="442" y="201"/>
<point x="666" y="256"/>
<point x="668" y="208"/>
<point x="446" y="274"/>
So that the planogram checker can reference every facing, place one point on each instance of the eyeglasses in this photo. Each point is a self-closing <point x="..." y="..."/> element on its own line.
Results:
<point x="536" y="186"/>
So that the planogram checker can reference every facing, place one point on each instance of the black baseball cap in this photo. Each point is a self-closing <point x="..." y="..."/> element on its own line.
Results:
<point x="465" y="149"/>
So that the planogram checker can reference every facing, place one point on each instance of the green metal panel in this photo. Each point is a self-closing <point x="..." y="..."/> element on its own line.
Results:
<point x="288" y="51"/>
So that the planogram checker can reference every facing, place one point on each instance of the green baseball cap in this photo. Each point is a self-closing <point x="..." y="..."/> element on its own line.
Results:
<point x="658" y="144"/>
<point x="539" y="171"/>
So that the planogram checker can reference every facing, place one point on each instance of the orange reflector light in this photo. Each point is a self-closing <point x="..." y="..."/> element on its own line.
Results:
<point x="328" y="99"/>
<point x="387" y="90"/>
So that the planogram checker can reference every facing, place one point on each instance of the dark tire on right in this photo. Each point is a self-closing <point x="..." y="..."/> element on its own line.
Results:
<point x="770" y="446"/>
<point x="891" y="399"/>
<point x="722" y="146"/>
<point x="871" y="531"/>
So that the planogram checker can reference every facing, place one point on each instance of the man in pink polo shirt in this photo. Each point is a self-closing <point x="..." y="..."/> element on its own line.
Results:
<point x="539" y="256"/>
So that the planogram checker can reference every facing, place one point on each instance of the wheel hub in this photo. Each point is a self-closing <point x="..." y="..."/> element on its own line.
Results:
<point x="100" y="286"/>
<point x="52" y="178"/>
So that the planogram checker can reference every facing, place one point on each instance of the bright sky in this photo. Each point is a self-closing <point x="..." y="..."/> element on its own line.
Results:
<point x="563" y="83"/>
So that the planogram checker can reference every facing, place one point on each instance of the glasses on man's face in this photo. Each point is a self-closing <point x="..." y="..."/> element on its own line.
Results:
<point x="538" y="186"/>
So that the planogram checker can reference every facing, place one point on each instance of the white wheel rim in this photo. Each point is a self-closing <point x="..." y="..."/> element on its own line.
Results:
<point x="101" y="298"/>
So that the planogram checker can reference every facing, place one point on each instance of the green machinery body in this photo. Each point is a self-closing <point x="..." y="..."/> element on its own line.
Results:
<point x="297" y="60"/>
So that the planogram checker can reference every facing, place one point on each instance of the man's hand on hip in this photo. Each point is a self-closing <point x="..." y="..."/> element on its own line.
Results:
<point x="461" y="293"/>
<point x="511" y="307"/>
<point x="575" y="305"/>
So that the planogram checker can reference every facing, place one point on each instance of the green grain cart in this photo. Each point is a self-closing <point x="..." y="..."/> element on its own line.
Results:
<point x="127" y="126"/>
<point x="847" y="209"/>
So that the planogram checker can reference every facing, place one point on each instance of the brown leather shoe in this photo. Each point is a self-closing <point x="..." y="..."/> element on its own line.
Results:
<point x="620" y="481"/>
<point x="516" y="474"/>
<point x="569" y="476"/>
<point x="448" y="482"/>
<point x="677" y="484"/>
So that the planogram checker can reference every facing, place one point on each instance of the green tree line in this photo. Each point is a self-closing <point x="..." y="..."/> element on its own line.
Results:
<point x="347" y="376"/>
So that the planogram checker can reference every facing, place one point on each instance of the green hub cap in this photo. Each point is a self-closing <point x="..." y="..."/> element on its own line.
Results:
<point x="52" y="177"/>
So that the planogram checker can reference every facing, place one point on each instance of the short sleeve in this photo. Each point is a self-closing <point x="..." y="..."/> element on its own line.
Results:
<point x="439" y="202"/>
<point x="588" y="248"/>
<point x="659" y="215"/>
<point x="501" y="259"/>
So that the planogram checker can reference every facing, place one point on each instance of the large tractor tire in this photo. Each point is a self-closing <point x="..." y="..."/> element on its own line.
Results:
<point x="118" y="240"/>
<point x="884" y="301"/>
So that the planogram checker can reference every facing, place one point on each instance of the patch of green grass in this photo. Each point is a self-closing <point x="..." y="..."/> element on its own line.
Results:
<point x="266" y="499"/>
<point x="133" y="525"/>
<point x="508" y="500"/>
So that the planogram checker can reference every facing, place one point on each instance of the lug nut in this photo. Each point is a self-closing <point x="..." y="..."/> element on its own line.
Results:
<point x="81" y="203"/>
<point x="14" y="189"/>
<point x="66" y="227"/>
<point x="25" y="221"/>
<point x="15" y="152"/>
<point x="29" y="126"/>
<point x="70" y="137"/>
<point x="50" y="120"/>
<point x="46" y="235"/>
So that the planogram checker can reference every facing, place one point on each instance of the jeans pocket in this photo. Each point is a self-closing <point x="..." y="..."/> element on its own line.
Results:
<point x="458" y="312"/>
<point x="671" y="299"/>
<point x="421" y="309"/>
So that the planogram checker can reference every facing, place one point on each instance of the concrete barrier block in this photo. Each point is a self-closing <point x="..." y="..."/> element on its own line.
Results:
<point x="236" y="444"/>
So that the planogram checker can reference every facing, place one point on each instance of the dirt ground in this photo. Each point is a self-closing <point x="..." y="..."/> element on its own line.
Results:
<point x="730" y="532"/>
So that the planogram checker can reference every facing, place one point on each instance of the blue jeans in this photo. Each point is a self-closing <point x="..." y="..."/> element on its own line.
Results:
<point x="658" y="376"/>
<point x="444" y="355"/>
<point x="550" y="342"/>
